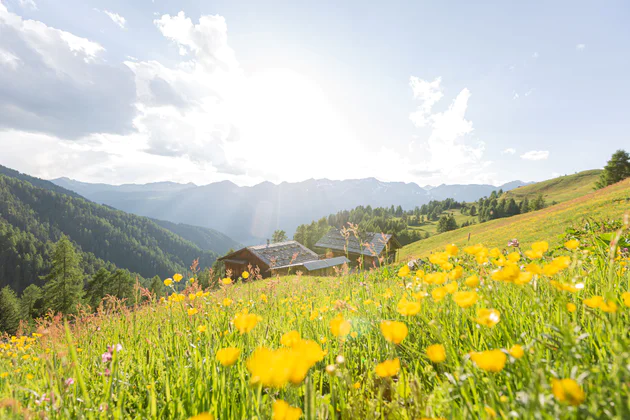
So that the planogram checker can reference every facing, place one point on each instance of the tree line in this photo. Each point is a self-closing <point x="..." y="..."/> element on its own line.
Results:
<point x="67" y="287"/>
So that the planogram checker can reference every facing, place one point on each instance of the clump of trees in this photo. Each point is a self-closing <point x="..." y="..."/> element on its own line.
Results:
<point x="617" y="169"/>
<point x="66" y="286"/>
<point x="496" y="207"/>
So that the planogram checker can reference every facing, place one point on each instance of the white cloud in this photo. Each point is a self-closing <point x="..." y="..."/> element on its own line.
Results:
<point x="509" y="151"/>
<point x="428" y="93"/>
<point x="63" y="86"/>
<point x="29" y="4"/>
<point x="116" y="18"/>
<point x="446" y="156"/>
<point x="535" y="55"/>
<point x="8" y="59"/>
<point x="535" y="155"/>
<point x="529" y="92"/>
<point x="580" y="47"/>
<point x="515" y="95"/>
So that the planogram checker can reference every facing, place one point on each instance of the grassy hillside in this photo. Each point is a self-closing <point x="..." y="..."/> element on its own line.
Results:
<point x="559" y="189"/>
<point x="457" y="342"/>
<point x="431" y="226"/>
<point x="610" y="202"/>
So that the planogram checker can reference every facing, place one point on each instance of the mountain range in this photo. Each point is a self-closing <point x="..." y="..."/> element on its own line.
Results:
<point x="249" y="215"/>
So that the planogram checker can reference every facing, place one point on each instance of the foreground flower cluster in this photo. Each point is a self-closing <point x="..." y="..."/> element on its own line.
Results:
<point x="476" y="332"/>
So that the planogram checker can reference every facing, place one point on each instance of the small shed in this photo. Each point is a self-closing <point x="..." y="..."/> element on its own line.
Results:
<point x="371" y="246"/>
<point x="324" y="267"/>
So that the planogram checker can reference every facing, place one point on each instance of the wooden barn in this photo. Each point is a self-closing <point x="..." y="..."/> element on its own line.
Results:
<point x="282" y="258"/>
<point x="370" y="245"/>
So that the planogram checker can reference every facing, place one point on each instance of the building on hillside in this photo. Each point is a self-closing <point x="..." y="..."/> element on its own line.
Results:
<point x="371" y="246"/>
<point x="282" y="258"/>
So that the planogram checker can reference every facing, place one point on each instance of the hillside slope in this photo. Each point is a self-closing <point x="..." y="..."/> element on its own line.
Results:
<point x="558" y="189"/>
<point x="32" y="218"/>
<point x="549" y="223"/>
<point x="204" y="238"/>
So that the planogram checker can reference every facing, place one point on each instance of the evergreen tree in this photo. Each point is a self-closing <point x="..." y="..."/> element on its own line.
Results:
<point x="617" y="169"/>
<point x="9" y="311"/>
<point x="121" y="285"/>
<point x="32" y="302"/>
<point x="473" y="210"/>
<point x="157" y="286"/>
<point x="279" y="236"/>
<point x="97" y="287"/>
<point x="64" y="284"/>
<point x="446" y="223"/>
<point x="538" y="203"/>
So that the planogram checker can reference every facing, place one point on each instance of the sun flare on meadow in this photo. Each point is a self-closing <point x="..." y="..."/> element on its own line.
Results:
<point x="539" y="330"/>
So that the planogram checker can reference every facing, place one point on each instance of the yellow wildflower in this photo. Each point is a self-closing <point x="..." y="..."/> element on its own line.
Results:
<point x="388" y="368"/>
<point x="465" y="299"/>
<point x="168" y="282"/>
<point x="594" y="302"/>
<point x="626" y="298"/>
<point x="436" y="353"/>
<point x="407" y="308"/>
<point x="192" y="311"/>
<point x="339" y="326"/>
<point x="516" y="351"/>
<point x="490" y="360"/>
<point x="202" y="329"/>
<point x="226" y="281"/>
<point x="452" y="250"/>
<point x="472" y="281"/>
<point x="537" y="251"/>
<point x="228" y="356"/>
<point x="567" y="390"/>
<point x="571" y="307"/>
<point x="245" y="275"/>
<point x="404" y="271"/>
<point x="283" y="411"/>
<point x="572" y="244"/>
<point x="245" y="322"/>
<point x="488" y="317"/>
<point x="177" y="277"/>
<point x="394" y="331"/>
<point x="202" y="416"/>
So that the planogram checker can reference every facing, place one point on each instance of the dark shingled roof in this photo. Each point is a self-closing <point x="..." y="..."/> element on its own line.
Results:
<point x="282" y="253"/>
<point x="375" y="242"/>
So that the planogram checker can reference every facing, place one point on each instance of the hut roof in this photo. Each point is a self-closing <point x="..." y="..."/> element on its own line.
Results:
<point x="370" y="243"/>
<point x="317" y="264"/>
<point x="283" y="253"/>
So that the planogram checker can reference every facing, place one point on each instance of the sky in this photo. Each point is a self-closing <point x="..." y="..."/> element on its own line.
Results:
<point x="429" y="92"/>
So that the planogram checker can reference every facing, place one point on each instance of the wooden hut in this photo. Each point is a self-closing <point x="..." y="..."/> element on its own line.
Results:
<point x="370" y="246"/>
<point x="282" y="257"/>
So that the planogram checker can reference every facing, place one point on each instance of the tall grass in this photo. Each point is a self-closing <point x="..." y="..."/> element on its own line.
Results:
<point x="166" y="365"/>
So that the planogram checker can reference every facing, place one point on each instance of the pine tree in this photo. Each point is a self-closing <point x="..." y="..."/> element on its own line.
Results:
<point x="279" y="236"/>
<point x="97" y="287"/>
<point x="121" y="285"/>
<point x="9" y="311"/>
<point x="157" y="286"/>
<point x="617" y="169"/>
<point x="64" y="284"/>
<point x="32" y="302"/>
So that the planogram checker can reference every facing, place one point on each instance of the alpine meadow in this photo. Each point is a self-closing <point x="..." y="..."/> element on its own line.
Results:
<point x="314" y="210"/>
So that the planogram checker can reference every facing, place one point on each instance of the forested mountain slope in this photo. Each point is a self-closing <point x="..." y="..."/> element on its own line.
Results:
<point x="32" y="218"/>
